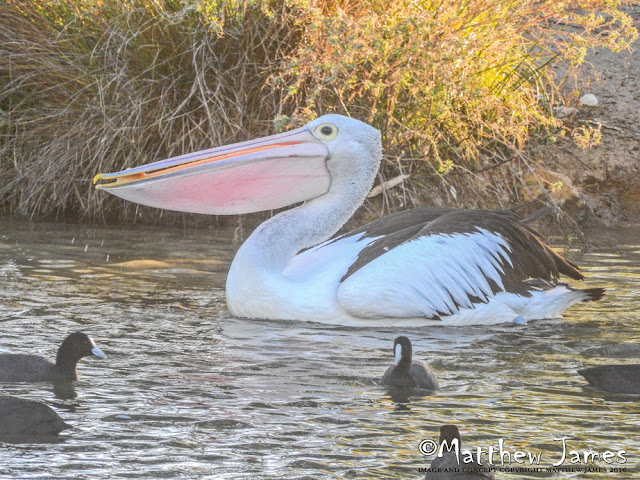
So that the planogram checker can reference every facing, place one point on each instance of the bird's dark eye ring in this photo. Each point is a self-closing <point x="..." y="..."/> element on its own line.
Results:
<point x="326" y="130"/>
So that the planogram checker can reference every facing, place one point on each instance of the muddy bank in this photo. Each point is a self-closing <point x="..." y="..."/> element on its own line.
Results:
<point x="601" y="184"/>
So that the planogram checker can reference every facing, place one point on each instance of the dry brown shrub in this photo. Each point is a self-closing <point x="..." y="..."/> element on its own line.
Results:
<point x="456" y="86"/>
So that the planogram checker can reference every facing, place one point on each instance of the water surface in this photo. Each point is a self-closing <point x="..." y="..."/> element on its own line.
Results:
<point x="188" y="391"/>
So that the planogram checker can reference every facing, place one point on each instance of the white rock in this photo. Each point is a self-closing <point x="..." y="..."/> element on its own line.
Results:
<point x="589" y="100"/>
<point x="563" y="112"/>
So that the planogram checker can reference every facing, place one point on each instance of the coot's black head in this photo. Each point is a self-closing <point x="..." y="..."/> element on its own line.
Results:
<point x="448" y="433"/>
<point x="402" y="351"/>
<point x="76" y="346"/>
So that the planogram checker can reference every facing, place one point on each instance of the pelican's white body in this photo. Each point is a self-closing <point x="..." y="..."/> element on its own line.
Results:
<point x="383" y="293"/>
<point x="447" y="276"/>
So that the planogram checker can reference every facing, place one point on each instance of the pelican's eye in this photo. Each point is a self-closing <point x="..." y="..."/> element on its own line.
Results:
<point x="326" y="131"/>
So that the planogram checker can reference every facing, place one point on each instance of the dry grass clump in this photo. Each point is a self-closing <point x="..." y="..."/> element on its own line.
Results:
<point x="455" y="86"/>
<point x="90" y="87"/>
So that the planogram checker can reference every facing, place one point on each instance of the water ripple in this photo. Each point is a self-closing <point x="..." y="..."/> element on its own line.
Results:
<point x="189" y="392"/>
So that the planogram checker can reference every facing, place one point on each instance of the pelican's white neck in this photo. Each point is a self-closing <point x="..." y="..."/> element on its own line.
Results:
<point x="258" y="285"/>
<point x="256" y="281"/>
<point x="275" y="242"/>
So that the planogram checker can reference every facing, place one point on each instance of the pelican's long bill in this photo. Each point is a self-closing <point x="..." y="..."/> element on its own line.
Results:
<point x="263" y="174"/>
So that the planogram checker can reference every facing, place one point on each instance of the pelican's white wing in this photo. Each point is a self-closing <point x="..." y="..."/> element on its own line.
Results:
<point x="452" y="262"/>
<point x="429" y="276"/>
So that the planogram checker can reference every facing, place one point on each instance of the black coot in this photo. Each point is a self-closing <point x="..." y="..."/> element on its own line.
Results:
<point x="33" y="368"/>
<point x="447" y="467"/>
<point x="405" y="374"/>
<point x="20" y="417"/>
<point x="614" y="378"/>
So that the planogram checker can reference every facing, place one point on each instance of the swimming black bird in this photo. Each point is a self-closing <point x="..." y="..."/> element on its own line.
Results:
<point x="33" y="368"/>
<point x="20" y="417"/>
<point x="614" y="378"/>
<point x="405" y="374"/>
<point x="447" y="467"/>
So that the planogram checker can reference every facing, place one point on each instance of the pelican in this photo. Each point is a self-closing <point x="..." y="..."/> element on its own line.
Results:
<point x="416" y="267"/>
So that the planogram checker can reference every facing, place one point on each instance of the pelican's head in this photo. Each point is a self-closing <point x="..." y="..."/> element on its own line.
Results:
<point x="263" y="174"/>
<point x="354" y="148"/>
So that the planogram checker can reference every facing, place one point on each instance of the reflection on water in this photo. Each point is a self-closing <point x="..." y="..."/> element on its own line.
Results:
<point x="189" y="392"/>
